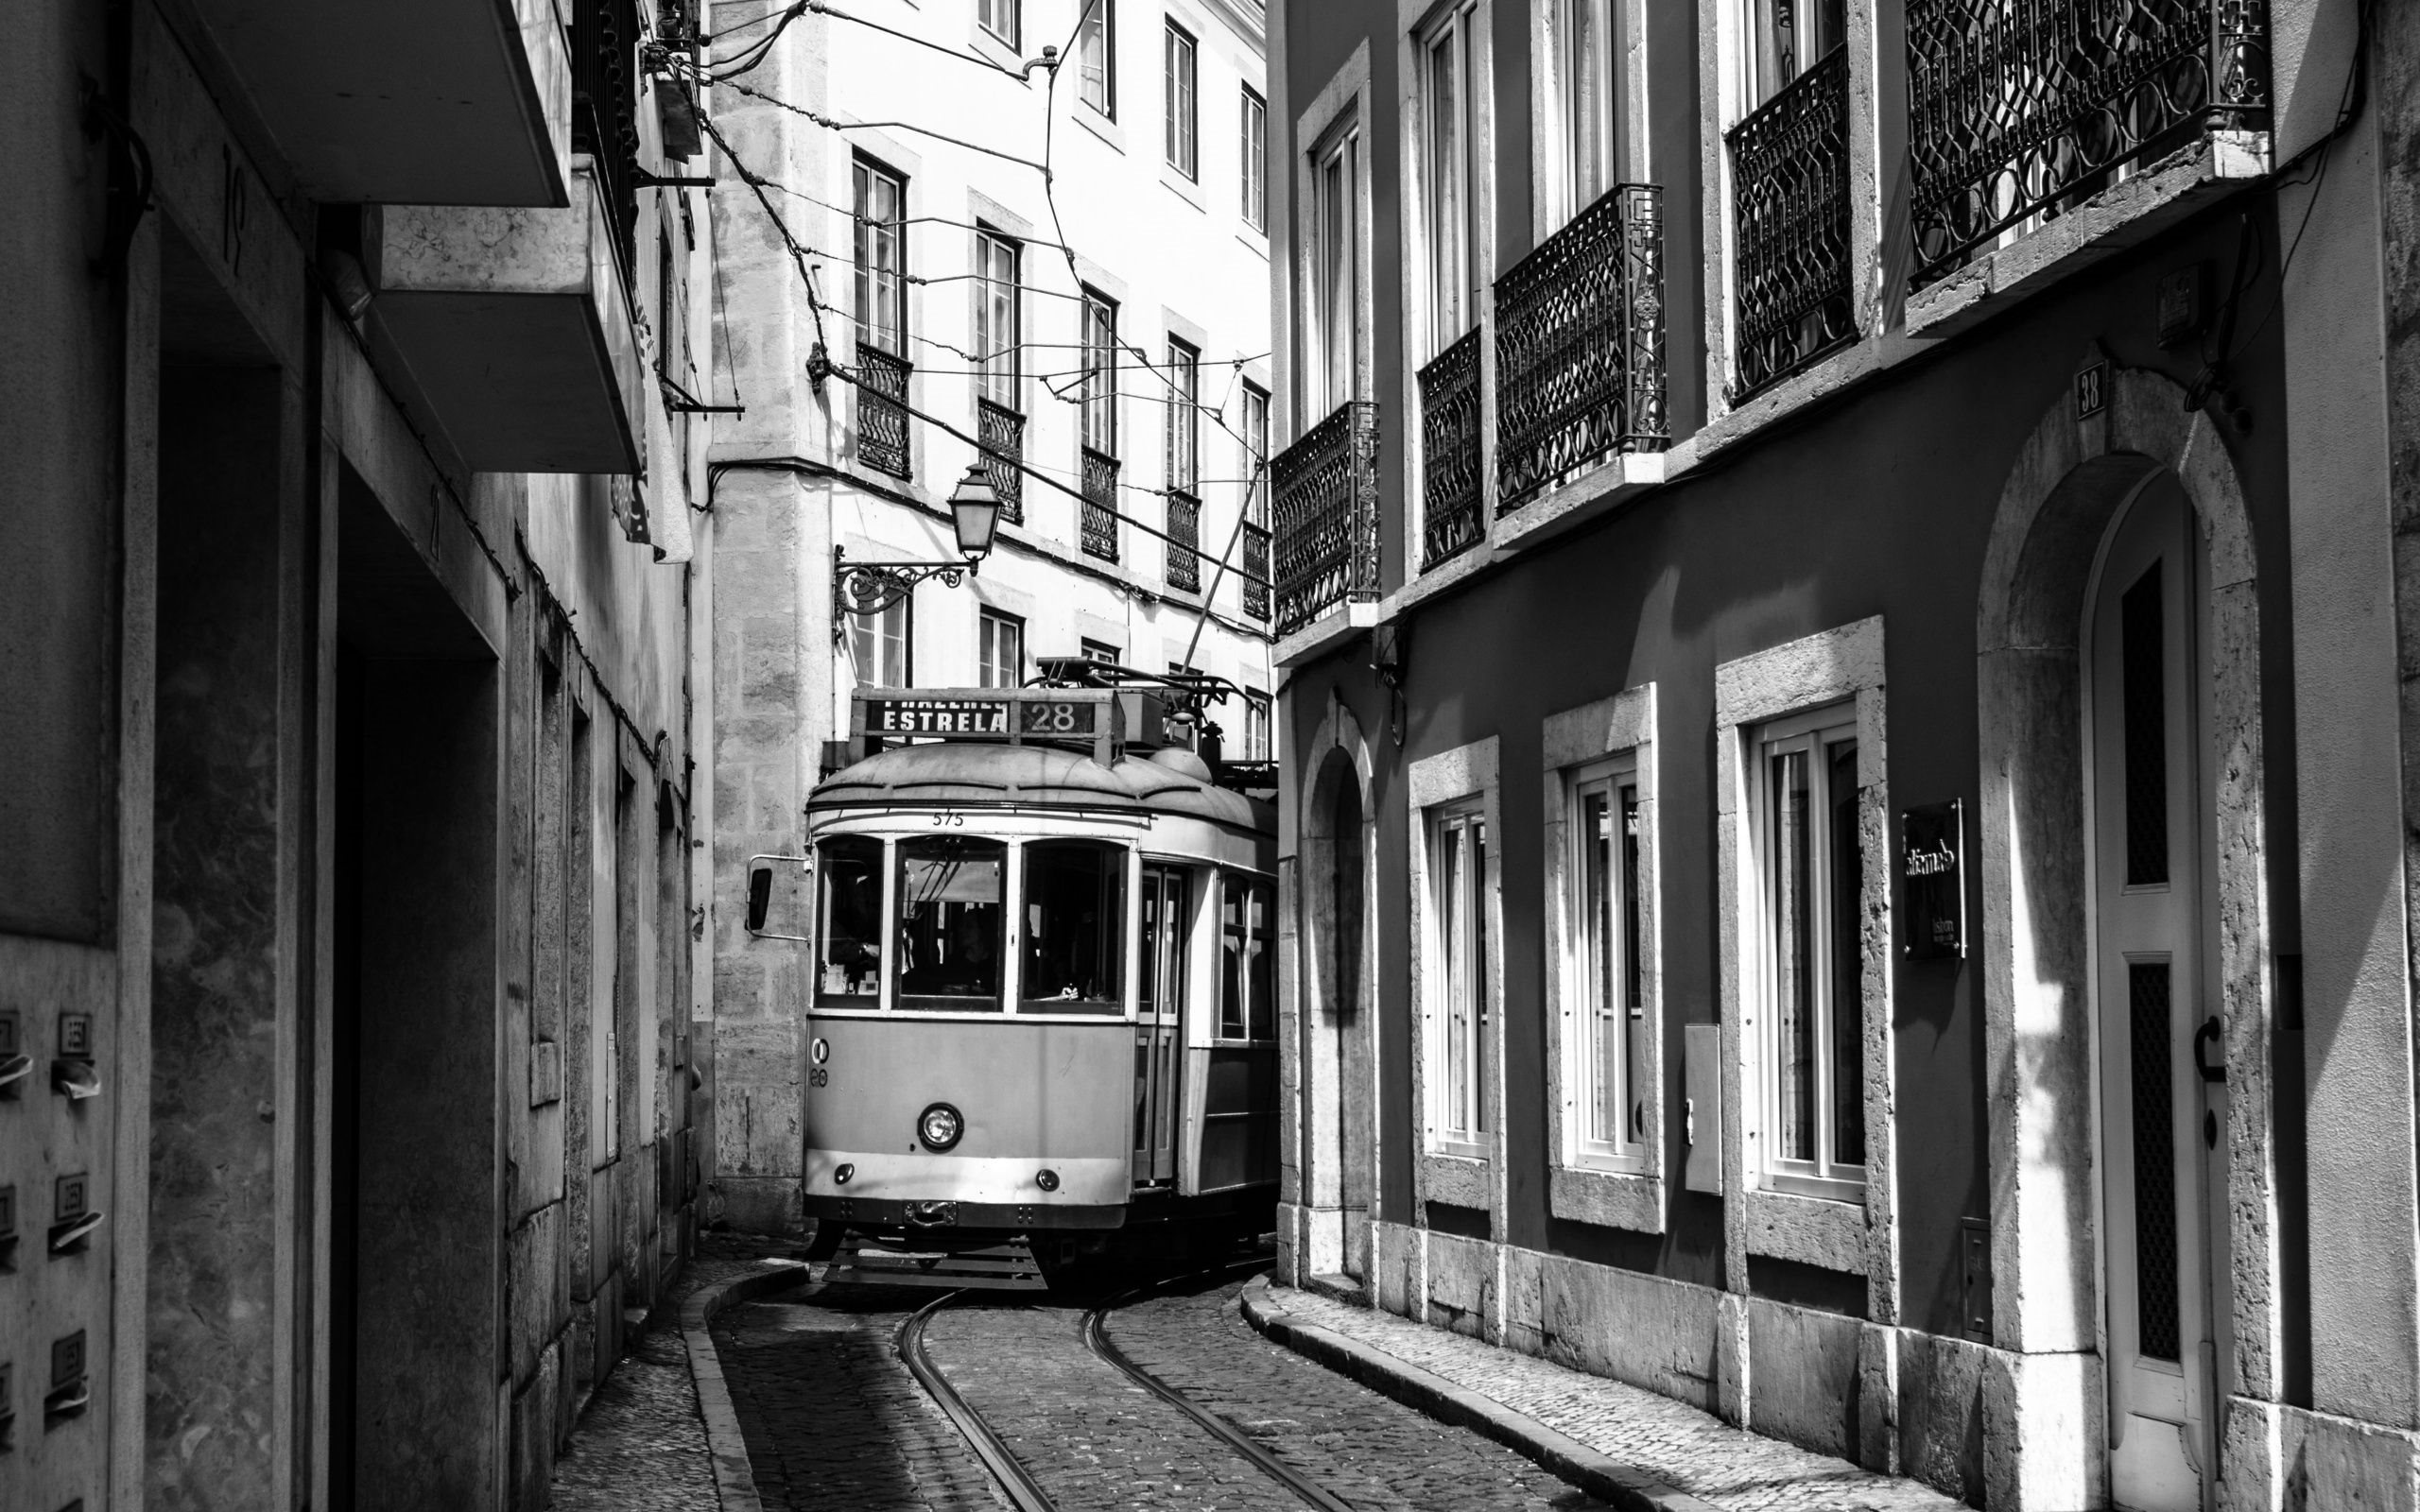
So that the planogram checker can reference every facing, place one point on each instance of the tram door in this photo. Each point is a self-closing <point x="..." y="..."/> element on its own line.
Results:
<point x="1159" y="1024"/>
<point x="2163" y="1105"/>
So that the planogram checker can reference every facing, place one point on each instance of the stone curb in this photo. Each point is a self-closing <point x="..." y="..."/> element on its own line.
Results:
<point x="734" y="1477"/>
<point x="1600" y="1476"/>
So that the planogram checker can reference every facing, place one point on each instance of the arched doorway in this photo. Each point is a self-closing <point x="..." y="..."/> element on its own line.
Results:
<point x="2080" y="951"/>
<point x="1338" y="1026"/>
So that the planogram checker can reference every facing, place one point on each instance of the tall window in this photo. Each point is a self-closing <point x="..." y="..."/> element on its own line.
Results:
<point x="1609" y="973"/>
<point x="1449" y="118"/>
<point x="1097" y="58"/>
<point x="1786" y="38"/>
<point x="1184" y="418"/>
<point x="1000" y="650"/>
<point x="1457" y="930"/>
<point x="882" y="258"/>
<point x="1811" y="871"/>
<point x="1336" y="271"/>
<point x="1182" y="60"/>
<point x="879" y="647"/>
<point x="995" y="319"/>
<point x="1255" y="160"/>
<point x="1589" y="98"/>
<point x="1256" y="727"/>
<point x="1247" y="953"/>
<point x="999" y="17"/>
<point x="1100" y="373"/>
<point x="1255" y="429"/>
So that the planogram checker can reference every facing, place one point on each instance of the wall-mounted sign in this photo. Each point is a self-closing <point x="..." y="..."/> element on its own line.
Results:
<point x="1932" y="881"/>
<point x="2092" y="390"/>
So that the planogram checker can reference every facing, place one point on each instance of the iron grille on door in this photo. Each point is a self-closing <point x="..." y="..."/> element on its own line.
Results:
<point x="1451" y="496"/>
<point x="1184" y="539"/>
<point x="1099" y="525"/>
<point x="1002" y="432"/>
<point x="1327" y="492"/>
<point x="1255" y="571"/>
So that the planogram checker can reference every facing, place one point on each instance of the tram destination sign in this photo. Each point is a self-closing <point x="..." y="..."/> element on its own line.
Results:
<point x="994" y="718"/>
<point x="1932" y="881"/>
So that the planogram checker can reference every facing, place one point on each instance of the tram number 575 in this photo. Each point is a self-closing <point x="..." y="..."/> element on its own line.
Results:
<point x="949" y="820"/>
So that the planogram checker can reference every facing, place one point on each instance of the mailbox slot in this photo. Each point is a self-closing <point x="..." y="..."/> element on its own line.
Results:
<point x="15" y="1065"/>
<point x="71" y="1389"/>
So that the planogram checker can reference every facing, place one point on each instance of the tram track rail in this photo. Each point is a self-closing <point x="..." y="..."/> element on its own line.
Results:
<point x="1015" y="1479"/>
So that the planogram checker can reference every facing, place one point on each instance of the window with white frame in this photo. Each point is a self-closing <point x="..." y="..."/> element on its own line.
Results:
<point x="1591" y="98"/>
<point x="1000" y="650"/>
<point x="1255" y="438"/>
<point x="1785" y="38"/>
<point x="1458" y="936"/>
<point x="1808" y="879"/>
<point x="1184" y="418"/>
<point x="1256" y="710"/>
<point x="1181" y="56"/>
<point x="881" y="257"/>
<point x="1255" y="166"/>
<point x="1607" y="882"/>
<point x="879" y="647"/>
<point x="1097" y="58"/>
<point x="1101" y="651"/>
<point x="996" y="335"/>
<point x="1335" y="245"/>
<point x="1449" y="102"/>
<point x="1098" y="410"/>
<point x="999" y="17"/>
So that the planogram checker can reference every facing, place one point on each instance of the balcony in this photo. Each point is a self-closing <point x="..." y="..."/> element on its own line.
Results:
<point x="1326" y="506"/>
<point x="1579" y="349"/>
<point x="1452" y="498"/>
<point x="882" y="412"/>
<point x="1184" y="541"/>
<point x="1792" y="301"/>
<point x="442" y="102"/>
<point x="1255" y="571"/>
<point x="1097" y="530"/>
<point x="1001" y="432"/>
<point x="2019" y="114"/>
<point x="516" y="327"/>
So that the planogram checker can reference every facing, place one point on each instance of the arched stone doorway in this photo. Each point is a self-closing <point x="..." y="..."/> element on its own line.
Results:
<point x="2046" y="1004"/>
<point x="1336" y="1027"/>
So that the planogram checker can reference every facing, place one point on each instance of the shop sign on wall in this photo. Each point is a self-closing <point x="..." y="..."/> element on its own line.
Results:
<point x="1932" y="881"/>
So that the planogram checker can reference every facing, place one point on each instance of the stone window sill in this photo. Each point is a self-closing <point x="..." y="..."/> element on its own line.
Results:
<point x="1610" y="1199"/>
<point x="1810" y="1230"/>
<point x="1456" y="1180"/>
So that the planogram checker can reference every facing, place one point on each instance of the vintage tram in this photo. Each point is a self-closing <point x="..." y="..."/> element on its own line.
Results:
<point x="1043" y="985"/>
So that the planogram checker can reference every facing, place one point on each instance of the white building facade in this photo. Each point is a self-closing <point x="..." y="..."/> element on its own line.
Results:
<point x="1071" y="272"/>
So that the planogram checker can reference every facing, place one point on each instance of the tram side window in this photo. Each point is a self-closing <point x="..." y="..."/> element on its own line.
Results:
<point x="950" y="901"/>
<point x="1247" y="1001"/>
<point x="849" y="924"/>
<point x="1075" y="927"/>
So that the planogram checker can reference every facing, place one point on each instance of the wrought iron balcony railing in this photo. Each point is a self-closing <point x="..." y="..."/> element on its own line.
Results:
<point x="1451" y="498"/>
<point x="882" y="411"/>
<point x="1097" y="530"/>
<point x="1002" y="432"/>
<point x="1789" y="212"/>
<point x="1185" y="532"/>
<point x="1255" y="571"/>
<point x="2019" y="111"/>
<point x="1326" y="508"/>
<point x="1580" y="347"/>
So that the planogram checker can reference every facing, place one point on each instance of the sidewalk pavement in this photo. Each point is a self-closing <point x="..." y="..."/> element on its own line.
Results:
<point x="1628" y="1447"/>
<point x="644" y="1441"/>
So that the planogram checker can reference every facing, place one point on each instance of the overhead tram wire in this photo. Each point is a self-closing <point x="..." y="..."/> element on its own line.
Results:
<point x="799" y="252"/>
<point x="814" y="308"/>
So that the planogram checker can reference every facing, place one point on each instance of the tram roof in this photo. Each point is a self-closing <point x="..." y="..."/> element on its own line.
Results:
<point x="947" y="775"/>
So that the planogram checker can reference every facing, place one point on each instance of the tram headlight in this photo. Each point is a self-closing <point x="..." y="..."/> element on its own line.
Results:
<point x="841" y="1172"/>
<point x="1047" y="1179"/>
<point x="940" y="1127"/>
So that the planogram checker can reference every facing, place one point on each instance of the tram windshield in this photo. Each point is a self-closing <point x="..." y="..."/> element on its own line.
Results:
<point x="1074" y="897"/>
<point x="951" y="893"/>
<point x="849" y="893"/>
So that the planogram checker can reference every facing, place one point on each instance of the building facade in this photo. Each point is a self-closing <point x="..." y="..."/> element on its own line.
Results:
<point x="1842" y="636"/>
<point x="346" y="585"/>
<point x="907" y="298"/>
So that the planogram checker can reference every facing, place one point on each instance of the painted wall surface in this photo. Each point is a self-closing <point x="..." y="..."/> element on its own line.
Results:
<point x="1881" y="511"/>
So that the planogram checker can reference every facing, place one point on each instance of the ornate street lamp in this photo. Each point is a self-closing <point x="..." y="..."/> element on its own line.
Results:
<point x="870" y="586"/>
